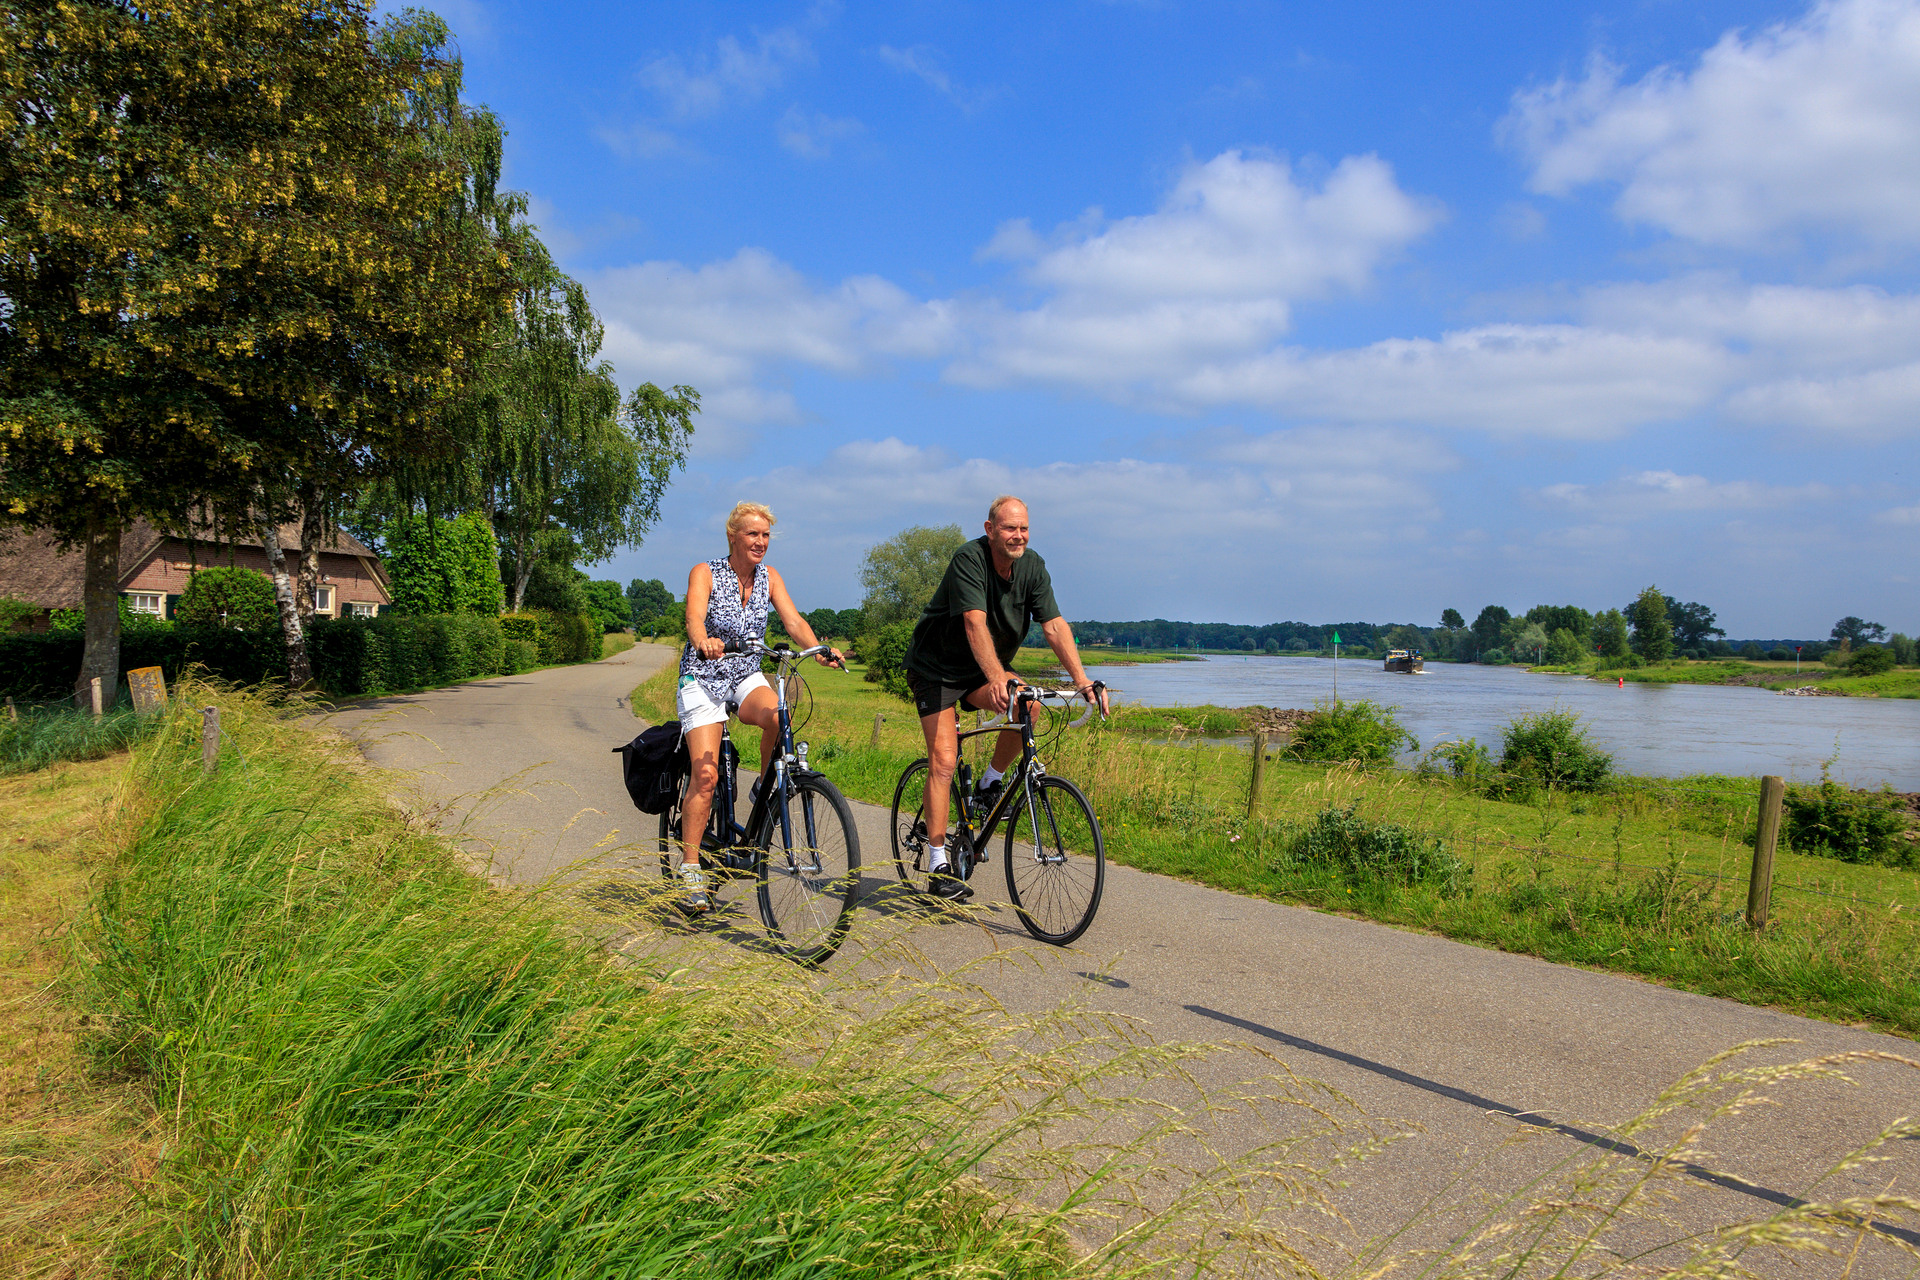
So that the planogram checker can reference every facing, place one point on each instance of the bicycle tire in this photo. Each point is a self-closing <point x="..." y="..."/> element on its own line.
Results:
<point x="1055" y="880"/>
<point x="907" y="830"/>
<point x="807" y="891"/>
<point x="669" y="843"/>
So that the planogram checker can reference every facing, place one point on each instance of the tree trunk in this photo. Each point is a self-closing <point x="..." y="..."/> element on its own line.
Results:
<point x="310" y="536"/>
<point x="101" y="598"/>
<point x="299" y="671"/>
<point x="522" y="570"/>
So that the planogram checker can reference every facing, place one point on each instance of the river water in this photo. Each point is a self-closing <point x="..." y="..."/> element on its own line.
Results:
<point x="1664" y="730"/>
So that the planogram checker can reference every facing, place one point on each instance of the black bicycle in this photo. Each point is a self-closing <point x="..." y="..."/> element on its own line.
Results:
<point x="798" y="844"/>
<point x="1055" y="858"/>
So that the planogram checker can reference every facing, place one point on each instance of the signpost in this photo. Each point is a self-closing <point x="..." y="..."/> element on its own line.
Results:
<point x="1336" y="668"/>
<point x="1796" y="662"/>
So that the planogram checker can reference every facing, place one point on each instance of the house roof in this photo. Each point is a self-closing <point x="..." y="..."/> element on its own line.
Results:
<point x="34" y="568"/>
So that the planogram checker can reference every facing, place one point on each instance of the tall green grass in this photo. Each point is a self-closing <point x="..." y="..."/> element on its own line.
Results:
<point x="376" y="1065"/>
<point x="42" y="736"/>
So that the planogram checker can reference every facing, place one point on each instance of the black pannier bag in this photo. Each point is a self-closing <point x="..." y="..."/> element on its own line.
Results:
<point x="655" y="766"/>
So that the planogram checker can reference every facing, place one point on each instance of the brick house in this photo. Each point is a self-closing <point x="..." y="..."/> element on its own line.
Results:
<point x="156" y="566"/>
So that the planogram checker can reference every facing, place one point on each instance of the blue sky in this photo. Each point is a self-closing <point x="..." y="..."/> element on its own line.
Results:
<point x="1271" y="311"/>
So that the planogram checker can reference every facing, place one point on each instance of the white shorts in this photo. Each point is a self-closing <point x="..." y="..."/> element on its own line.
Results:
<point x="697" y="707"/>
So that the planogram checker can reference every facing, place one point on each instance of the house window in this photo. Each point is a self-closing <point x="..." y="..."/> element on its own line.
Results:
<point x="323" y="599"/>
<point x="153" y="602"/>
<point x="360" y="609"/>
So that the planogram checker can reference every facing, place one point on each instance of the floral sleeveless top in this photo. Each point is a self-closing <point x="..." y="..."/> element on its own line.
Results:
<point x="728" y="619"/>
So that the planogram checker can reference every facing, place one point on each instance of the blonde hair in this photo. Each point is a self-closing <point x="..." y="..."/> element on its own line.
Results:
<point x="993" y="511"/>
<point x="743" y="510"/>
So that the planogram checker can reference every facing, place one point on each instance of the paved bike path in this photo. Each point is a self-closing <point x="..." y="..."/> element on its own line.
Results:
<point x="1456" y="1038"/>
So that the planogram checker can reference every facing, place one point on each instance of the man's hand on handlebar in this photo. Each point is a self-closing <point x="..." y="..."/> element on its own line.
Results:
<point x="1095" y="692"/>
<point x="831" y="658"/>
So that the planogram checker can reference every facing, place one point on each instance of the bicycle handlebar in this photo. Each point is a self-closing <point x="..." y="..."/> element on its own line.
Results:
<point x="782" y="652"/>
<point x="1017" y="692"/>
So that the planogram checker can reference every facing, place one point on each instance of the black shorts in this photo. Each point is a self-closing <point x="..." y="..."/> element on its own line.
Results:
<point x="930" y="698"/>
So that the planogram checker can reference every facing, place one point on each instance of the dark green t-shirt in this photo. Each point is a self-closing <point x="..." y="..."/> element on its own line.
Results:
<point x="940" y="651"/>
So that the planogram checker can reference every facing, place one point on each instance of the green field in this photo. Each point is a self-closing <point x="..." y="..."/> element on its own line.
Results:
<point x="1648" y="878"/>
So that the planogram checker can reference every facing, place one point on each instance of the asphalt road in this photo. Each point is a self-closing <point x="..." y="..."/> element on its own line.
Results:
<point x="1457" y="1039"/>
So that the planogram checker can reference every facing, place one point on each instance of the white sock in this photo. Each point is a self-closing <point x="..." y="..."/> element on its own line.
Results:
<point x="936" y="857"/>
<point x="991" y="776"/>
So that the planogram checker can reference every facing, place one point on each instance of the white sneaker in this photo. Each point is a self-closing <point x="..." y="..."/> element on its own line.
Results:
<point x="695" y="881"/>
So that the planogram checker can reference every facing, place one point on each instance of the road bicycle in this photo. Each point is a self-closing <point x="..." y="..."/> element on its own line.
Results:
<point x="798" y="844"/>
<point x="1055" y="857"/>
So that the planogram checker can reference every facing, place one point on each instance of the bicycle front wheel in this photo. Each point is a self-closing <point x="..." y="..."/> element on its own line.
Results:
<point x="1056" y="861"/>
<point x="810" y="877"/>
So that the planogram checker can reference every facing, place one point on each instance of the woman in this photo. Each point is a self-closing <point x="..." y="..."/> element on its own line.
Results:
<point x="727" y="599"/>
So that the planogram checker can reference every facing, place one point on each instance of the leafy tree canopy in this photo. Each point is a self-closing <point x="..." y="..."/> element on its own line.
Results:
<point x="1858" y="631"/>
<point x="444" y="566"/>
<point x="1451" y="619"/>
<point x="901" y="574"/>
<point x="647" y="599"/>
<point x="1693" y="623"/>
<point x="1652" y="632"/>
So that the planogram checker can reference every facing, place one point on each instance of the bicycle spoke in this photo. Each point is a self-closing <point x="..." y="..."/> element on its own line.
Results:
<point x="1055" y="862"/>
<point x="809" y="877"/>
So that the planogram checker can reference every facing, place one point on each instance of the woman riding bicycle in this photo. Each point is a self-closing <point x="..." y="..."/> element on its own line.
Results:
<point x="728" y="599"/>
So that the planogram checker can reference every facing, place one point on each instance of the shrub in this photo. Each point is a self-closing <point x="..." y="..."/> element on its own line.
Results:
<point x="444" y="566"/>
<point x="1495" y="658"/>
<point x="520" y="655"/>
<point x="404" y="651"/>
<point x="1829" y="821"/>
<point x="15" y="612"/>
<point x="1465" y="761"/>
<point x="1350" y="731"/>
<point x="1774" y="655"/>
<point x="225" y="596"/>
<point x="520" y="626"/>
<point x="567" y="637"/>
<point x="1552" y="748"/>
<point x="1902" y="646"/>
<point x="1624" y="661"/>
<point x="885" y="653"/>
<point x="1870" y="661"/>
<point x="1367" y="849"/>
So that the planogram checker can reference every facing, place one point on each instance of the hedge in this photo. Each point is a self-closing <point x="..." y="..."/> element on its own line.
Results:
<point x="349" y="655"/>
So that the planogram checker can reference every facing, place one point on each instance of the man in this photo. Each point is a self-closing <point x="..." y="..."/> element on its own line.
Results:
<point x="993" y="588"/>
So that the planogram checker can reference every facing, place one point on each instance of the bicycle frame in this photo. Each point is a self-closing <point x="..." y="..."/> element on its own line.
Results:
<point x="786" y="759"/>
<point x="1030" y="769"/>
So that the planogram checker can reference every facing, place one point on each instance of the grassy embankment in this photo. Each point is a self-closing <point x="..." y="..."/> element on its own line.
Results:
<point x="317" y="1046"/>
<point x="1901" y="682"/>
<point x="290" y="1037"/>
<point x="1649" y="878"/>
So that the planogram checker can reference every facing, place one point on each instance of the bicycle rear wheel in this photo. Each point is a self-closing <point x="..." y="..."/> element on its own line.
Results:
<point x="1056" y="861"/>
<point x="907" y="824"/>
<point x="810" y="878"/>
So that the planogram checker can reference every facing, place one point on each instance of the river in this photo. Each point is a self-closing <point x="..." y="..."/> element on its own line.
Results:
<point x="1664" y="730"/>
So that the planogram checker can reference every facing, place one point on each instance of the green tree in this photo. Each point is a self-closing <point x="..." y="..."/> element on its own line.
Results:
<point x="1525" y="640"/>
<point x="1610" y="634"/>
<point x="1652" y="633"/>
<point x="225" y="596"/>
<point x="608" y="603"/>
<point x="1693" y="623"/>
<point x="1451" y="620"/>
<point x="232" y="259"/>
<point x="1489" y="626"/>
<point x="444" y="566"/>
<point x="1855" y="632"/>
<point x="647" y="599"/>
<point x="1901" y="644"/>
<point x="1554" y="617"/>
<point x="1564" y="648"/>
<point x="901" y="574"/>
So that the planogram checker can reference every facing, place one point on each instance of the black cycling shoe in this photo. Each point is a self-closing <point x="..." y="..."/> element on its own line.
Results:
<point x="946" y="885"/>
<point x="987" y="795"/>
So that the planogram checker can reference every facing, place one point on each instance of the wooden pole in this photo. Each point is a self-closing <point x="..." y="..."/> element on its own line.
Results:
<point x="1259" y="773"/>
<point x="1766" y="835"/>
<point x="877" y="719"/>
<point x="12" y="713"/>
<point x="209" y="739"/>
<point x="94" y="697"/>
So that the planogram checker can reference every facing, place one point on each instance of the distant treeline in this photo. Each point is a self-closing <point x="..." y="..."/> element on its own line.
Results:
<point x="1273" y="637"/>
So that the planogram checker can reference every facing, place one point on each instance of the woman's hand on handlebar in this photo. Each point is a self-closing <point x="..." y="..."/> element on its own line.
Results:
<point x="710" y="648"/>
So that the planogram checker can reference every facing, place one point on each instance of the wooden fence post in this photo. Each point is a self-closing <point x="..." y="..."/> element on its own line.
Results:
<point x="209" y="739"/>
<point x="12" y="713"/>
<point x="1765" y="836"/>
<point x="877" y="718"/>
<point x="95" y="698"/>
<point x="1259" y="773"/>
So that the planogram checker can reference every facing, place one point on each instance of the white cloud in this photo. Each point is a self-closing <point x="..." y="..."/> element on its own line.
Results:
<point x="1212" y="273"/>
<point x="733" y="72"/>
<point x="811" y="134"/>
<point x="1899" y="515"/>
<point x="1648" y="493"/>
<point x="923" y="61"/>
<point x="1812" y="125"/>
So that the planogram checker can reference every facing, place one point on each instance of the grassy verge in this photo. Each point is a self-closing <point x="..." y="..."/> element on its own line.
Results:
<point x="39" y="736"/>
<point x="1649" y="878"/>
<point x="74" y="1150"/>
<point x="371" y="1063"/>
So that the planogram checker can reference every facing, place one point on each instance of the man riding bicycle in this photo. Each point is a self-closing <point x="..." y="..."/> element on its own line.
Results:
<point x="994" y="588"/>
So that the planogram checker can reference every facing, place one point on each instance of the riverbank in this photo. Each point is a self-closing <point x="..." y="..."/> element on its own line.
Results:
<point x="1778" y="677"/>
<point x="1648" y="878"/>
